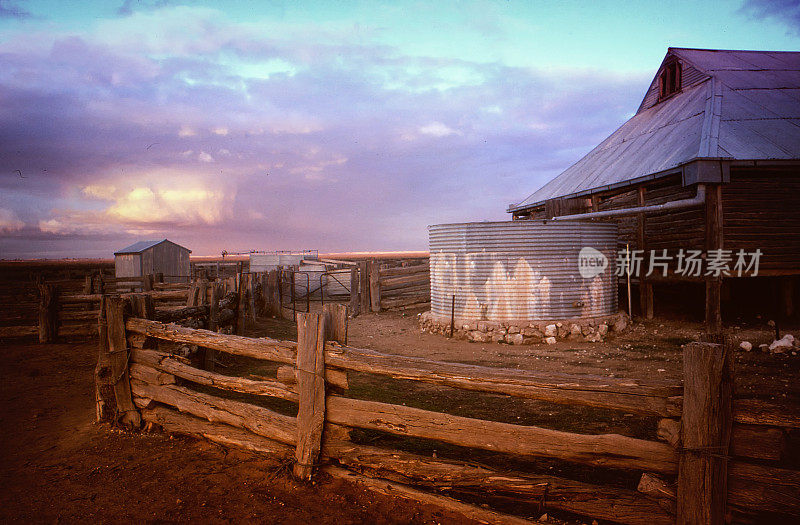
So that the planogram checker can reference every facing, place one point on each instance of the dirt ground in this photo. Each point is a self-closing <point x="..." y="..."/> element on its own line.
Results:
<point x="57" y="465"/>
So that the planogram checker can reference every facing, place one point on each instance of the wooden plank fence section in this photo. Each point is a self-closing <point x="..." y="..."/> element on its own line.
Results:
<point x="162" y="387"/>
<point x="599" y="501"/>
<point x="607" y="450"/>
<point x="394" y="489"/>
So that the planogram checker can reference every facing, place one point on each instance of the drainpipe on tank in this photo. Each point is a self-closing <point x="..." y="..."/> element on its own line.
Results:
<point x="698" y="200"/>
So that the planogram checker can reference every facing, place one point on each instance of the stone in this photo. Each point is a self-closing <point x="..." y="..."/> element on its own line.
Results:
<point x="594" y="338"/>
<point x="562" y="331"/>
<point x="574" y="329"/>
<point x="550" y="330"/>
<point x="483" y="326"/>
<point x="620" y="324"/>
<point x="746" y="346"/>
<point x="515" y="339"/>
<point x="531" y="332"/>
<point x="782" y="345"/>
<point x="763" y="348"/>
<point x="602" y="329"/>
<point x="587" y="329"/>
<point x="497" y="337"/>
<point x="531" y="340"/>
<point x="550" y="340"/>
<point x="513" y="329"/>
<point x="476" y="336"/>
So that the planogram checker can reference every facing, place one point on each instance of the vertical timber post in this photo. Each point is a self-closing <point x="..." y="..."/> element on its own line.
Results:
<point x="311" y="388"/>
<point x="48" y="313"/>
<point x="363" y="285"/>
<point x="354" y="302"/>
<point x="705" y="434"/>
<point x="374" y="285"/>
<point x="274" y="293"/>
<point x="335" y="322"/>
<point x="714" y="241"/>
<point x="645" y="287"/>
<point x="104" y="383"/>
<point x="118" y="352"/>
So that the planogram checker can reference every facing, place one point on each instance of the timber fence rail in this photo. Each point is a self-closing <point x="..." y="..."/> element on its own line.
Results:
<point x="60" y="314"/>
<point x="376" y="286"/>
<point x="715" y="457"/>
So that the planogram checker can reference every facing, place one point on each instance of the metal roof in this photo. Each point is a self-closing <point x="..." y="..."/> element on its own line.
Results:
<point x="737" y="105"/>
<point x="139" y="247"/>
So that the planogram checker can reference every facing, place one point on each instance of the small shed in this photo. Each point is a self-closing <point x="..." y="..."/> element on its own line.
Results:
<point x="152" y="257"/>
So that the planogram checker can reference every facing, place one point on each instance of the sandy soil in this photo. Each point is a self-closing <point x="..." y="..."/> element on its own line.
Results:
<point x="59" y="466"/>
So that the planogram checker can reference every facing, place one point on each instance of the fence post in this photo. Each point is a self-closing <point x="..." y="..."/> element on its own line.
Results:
<point x="335" y="322"/>
<point x="118" y="352"/>
<point x="48" y="313"/>
<point x="311" y="388"/>
<point x="375" y="285"/>
<point x="705" y="434"/>
<point x="363" y="284"/>
<point x="274" y="303"/>
<point x="354" y="304"/>
<point x="104" y="387"/>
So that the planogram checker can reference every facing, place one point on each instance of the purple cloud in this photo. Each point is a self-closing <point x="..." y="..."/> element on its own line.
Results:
<point x="239" y="142"/>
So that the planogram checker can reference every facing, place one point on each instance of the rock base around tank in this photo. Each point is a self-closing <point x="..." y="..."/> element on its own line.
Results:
<point x="592" y="330"/>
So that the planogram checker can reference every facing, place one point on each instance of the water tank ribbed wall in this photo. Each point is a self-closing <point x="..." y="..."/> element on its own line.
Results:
<point x="521" y="270"/>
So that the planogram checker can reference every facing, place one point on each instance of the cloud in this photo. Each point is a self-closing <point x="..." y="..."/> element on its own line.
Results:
<point x="437" y="129"/>
<point x="10" y="9"/>
<point x="123" y="132"/>
<point x="782" y="11"/>
<point x="9" y="221"/>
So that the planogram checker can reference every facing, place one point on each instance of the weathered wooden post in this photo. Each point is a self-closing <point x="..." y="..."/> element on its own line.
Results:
<point x="147" y="282"/>
<point x="363" y="282"/>
<point x="118" y="351"/>
<point x="335" y="322"/>
<point x="311" y="388"/>
<point x="106" y="405"/>
<point x="374" y="285"/>
<point x="705" y="434"/>
<point x="354" y="302"/>
<point x="48" y="313"/>
<point x="273" y="299"/>
<point x="714" y="241"/>
<point x="251" y="295"/>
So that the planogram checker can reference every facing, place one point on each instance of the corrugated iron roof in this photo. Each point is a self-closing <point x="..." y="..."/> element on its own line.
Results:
<point x="139" y="247"/>
<point x="744" y="105"/>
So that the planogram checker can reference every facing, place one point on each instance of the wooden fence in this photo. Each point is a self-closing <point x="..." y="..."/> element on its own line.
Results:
<point x="374" y="288"/>
<point x="717" y="457"/>
<point x="75" y="314"/>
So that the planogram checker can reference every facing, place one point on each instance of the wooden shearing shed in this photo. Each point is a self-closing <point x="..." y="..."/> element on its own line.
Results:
<point x="709" y="163"/>
<point x="153" y="257"/>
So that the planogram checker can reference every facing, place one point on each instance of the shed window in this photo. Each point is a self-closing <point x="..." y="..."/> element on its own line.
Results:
<point x="670" y="80"/>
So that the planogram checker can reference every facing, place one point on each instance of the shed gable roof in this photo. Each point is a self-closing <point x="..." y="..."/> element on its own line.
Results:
<point x="739" y="105"/>
<point x="140" y="246"/>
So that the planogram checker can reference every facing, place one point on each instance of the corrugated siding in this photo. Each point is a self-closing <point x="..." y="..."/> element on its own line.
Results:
<point x="520" y="270"/>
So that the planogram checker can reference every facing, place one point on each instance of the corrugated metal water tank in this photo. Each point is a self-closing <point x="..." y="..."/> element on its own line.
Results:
<point x="521" y="270"/>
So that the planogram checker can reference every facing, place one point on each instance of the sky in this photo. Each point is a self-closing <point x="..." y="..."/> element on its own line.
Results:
<point x="334" y="125"/>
